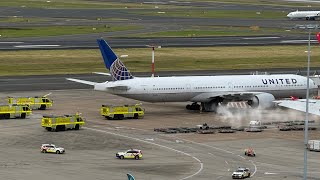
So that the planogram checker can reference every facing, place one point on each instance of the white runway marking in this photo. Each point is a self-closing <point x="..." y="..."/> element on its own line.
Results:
<point x="297" y="172"/>
<point x="181" y="152"/>
<point x="36" y="46"/>
<point x="255" y="167"/>
<point x="297" y="41"/>
<point x="261" y="38"/>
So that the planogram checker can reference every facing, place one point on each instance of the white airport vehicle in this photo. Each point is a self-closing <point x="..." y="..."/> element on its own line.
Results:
<point x="202" y="126"/>
<point x="314" y="145"/>
<point x="307" y="15"/>
<point x="51" y="148"/>
<point x="241" y="173"/>
<point x="130" y="154"/>
<point x="257" y="90"/>
<point x="255" y="123"/>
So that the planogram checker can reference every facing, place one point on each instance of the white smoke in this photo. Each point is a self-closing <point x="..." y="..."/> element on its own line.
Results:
<point x="237" y="117"/>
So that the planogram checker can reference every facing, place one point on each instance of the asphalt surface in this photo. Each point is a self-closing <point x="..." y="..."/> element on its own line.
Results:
<point x="83" y="42"/>
<point x="90" y="152"/>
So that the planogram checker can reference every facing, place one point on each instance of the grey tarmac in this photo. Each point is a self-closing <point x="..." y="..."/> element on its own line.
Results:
<point x="90" y="152"/>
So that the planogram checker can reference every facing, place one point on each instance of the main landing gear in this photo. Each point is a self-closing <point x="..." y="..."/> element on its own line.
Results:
<point x="193" y="106"/>
<point x="205" y="106"/>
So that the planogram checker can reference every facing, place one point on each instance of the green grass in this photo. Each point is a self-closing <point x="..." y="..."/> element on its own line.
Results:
<point x="37" y="62"/>
<point x="59" y="30"/>
<point x="21" y="19"/>
<point x="76" y="4"/>
<point x="263" y="2"/>
<point x="215" y="13"/>
<point x="206" y="31"/>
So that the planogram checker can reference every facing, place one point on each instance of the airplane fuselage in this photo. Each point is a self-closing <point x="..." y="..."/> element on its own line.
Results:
<point x="308" y="15"/>
<point x="201" y="88"/>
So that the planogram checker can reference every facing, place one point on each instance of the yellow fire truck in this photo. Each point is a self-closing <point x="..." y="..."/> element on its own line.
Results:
<point x="40" y="103"/>
<point x="14" y="111"/>
<point x="121" y="112"/>
<point x="61" y="123"/>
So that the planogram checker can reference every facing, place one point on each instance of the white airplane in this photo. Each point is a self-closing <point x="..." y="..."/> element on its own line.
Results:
<point x="210" y="91"/>
<point x="308" y="15"/>
<point x="300" y="105"/>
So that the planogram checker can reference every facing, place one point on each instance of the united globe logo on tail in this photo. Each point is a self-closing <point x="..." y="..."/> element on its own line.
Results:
<point x="117" y="69"/>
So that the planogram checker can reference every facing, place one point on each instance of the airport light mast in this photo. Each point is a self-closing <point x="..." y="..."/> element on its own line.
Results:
<point x="308" y="27"/>
<point x="152" y="66"/>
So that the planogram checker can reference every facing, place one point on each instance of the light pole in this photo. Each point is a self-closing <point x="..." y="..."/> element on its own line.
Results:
<point x="152" y="56"/>
<point x="309" y="27"/>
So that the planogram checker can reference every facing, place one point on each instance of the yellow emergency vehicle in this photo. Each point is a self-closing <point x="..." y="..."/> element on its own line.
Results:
<point x="14" y="111"/>
<point x="36" y="102"/>
<point x="121" y="112"/>
<point x="61" y="123"/>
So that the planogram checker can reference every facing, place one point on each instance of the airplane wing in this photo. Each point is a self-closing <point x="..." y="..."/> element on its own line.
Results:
<point x="101" y="86"/>
<point x="300" y="105"/>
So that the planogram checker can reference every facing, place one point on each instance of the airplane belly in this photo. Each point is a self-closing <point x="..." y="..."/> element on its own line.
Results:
<point x="161" y="97"/>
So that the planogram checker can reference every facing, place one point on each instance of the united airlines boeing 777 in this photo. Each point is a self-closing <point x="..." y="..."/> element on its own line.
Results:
<point x="209" y="91"/>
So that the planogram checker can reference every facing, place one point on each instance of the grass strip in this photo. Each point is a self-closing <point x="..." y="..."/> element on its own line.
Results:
<point x="38" y="62"/>
<point x="192" y="13"/>
<point x="208" y="31"/>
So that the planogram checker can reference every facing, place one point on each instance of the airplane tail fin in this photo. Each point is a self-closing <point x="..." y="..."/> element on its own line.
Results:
<point x="130" y="177"/>
<point x="117" y="69"/>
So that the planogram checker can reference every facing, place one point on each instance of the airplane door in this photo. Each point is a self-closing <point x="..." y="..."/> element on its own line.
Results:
<point x="230" y="86"/>
<point x="188" y="87"/>
<point x="144" y="88"/>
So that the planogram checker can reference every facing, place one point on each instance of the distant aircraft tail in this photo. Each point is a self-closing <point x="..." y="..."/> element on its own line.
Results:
<point x="117" y="69"/>
<point x="130" y="177"/>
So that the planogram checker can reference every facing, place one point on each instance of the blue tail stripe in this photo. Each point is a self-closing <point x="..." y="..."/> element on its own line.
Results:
<point x="117" y="69"/>
<point x="107" y="54"/>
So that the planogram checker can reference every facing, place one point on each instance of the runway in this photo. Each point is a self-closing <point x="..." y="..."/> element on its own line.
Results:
<point x="85" y="42"/>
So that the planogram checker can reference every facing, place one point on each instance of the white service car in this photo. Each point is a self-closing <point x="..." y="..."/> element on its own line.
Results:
<point x="241" y="173"/>
<point x="130" y="154"/>
<point x="51" y="148"/>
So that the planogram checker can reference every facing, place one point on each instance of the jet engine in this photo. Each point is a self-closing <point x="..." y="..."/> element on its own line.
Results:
<point x="263" y="101"/>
